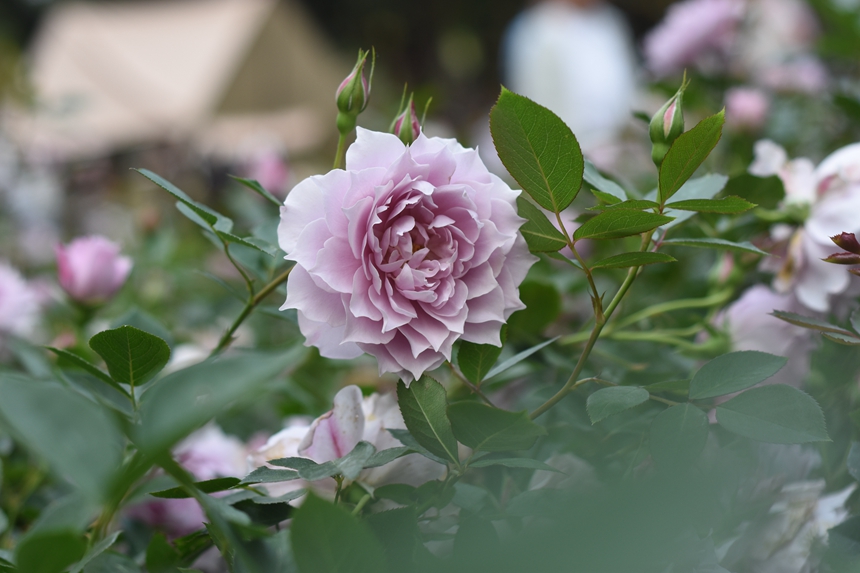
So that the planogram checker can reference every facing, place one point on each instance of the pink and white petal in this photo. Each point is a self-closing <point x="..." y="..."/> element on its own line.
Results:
<point x="306" y="203"/>
<point x="373" y="149"/>
<point x="328" y="339"/>
<point x="336" y="433"/>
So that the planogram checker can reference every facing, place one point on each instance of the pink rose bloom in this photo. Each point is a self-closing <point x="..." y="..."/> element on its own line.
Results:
<point x="19" y="303"/>
<point x="692" y="31"/>
<point x="91" y="269"/>
<point x="406" y="251"/>
<point x="746" y="107"/>
<point x="336" y="433"/>
<point x="832" y="192"/>
<point x="207" y="454"/>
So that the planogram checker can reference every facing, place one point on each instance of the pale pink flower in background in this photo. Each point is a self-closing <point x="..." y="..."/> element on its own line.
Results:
<point x="336" y="433"/>
<point x="269" y="169"/>
<point x="692" y="32"/>
<point x="746" y="107"/>
<point x="91" y="269"/>
<point x="774" y="32"/>
<point x="832" y="193"/>
<point x="806" y="75"/>
<point x="208" y="453"/>
<point x="19" y="303"/>
<point x="406" y="251"/>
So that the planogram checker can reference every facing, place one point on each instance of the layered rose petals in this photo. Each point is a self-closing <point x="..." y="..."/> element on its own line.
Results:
<point x="403" y="253"/>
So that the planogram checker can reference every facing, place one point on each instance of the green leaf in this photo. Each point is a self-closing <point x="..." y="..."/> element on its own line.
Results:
<point x="80" y="439"/>
<point x="405" y="438"/>
<point x="617" y="223"/>
<point x="540" y="235"/>
<point x="636" y="204"/>
<point x="777" y="413"/>
<point x="853" y="462"/>
<point x="184" y="400"/>
<point x="161" y="556"/>
<point x="717" y="244"/>
<point x="608" y="401"/>
<point x="488" y="429"/>
<point x="526" y="463"/>
<point x="132" y="355"/>
<point x="687" y="153"/>
<point x="206" y="486"/>
<point x="734" y="372"/>
<point x="517" y="358"/>
<point x="475" y="360"/>
<point x="538" y="150"/>
<point x="809" y="322"/>
<point x="423" y="406"/>
<point x="730" y="205"/>
<point x="327" y="539"/>
<point x="855" y="320"/>
<point x="250" y="242"/>
<point x="634" y="259"/>
<point x="352" y="463"/>
<point x="398" y="529"/>
<point x="678" y="436"/>
<point x="255" y="186"/>
<point x="846" y="339"/>
<point x="145" y="322"/>
<point x="602" y="185"/>
<point x="66" y="357"/>
<point x="49" y="552"/>
<point x="387" y="456"/>
<point x="95" y="551"/>
<point x="605" y="199"/>
<point x="349" y="465"/>
<point x="206" y="217"/>
<point x="268" y="475"/>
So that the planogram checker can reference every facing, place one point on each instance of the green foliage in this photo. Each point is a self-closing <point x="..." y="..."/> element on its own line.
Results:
<point x="728" y="205"/>
<point x="678" y="436"/>
<point x="538" y="149"/>
<point x="424" y="406"/>
<point x="634" y="259"/>
<point x="618" y="223"/>
<point x="608" y="401"/>
<point x="716" y="244"/>
<point x="734" y="372"/>
<point x="476" y="360"/>
<point x="778" y="413"/>
<point x="327" y="539"/>
<point x="132" y="355"/>
<point x="687" y="153"/>
<point x="488" y="429"/>
<point x="540" y="235"/>
<point x="50" y="552"/>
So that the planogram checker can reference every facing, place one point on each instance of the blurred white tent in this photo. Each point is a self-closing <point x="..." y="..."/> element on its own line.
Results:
<point x="219" y="74"/>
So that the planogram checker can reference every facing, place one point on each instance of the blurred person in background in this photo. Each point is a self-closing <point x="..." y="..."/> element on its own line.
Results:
<point x="575" y="57"/>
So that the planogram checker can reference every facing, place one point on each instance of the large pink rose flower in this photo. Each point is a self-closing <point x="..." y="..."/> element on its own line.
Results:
<point x="404" y="252"/>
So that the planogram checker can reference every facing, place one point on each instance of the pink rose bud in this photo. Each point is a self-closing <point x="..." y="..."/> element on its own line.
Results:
<point x="406" y="126"/>
<point x="847" y="241"/>
<point x="91" y="270"/>
<point x="353" y="94"/>
<point x="667" y="124"/>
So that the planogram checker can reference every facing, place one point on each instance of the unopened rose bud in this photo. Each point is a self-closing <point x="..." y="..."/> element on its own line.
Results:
<point x="91" y="269"/>
<point x="666" y="125"/>
<point x="406" y="125"/>
<point x="847" y="241"/>
<point x="353" y="94"/>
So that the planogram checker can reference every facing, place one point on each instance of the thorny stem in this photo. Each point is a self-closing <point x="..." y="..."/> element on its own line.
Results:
<point x="599" y="322"/>
<point x="475" y="389"/>
<point x="253" y="301"/>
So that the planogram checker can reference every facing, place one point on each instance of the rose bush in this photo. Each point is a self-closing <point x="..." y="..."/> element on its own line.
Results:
<point x="406" y="251"/>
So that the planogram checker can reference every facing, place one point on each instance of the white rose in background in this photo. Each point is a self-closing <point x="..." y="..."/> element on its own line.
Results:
<point x="831" y="191"/>
<point x="19" y="303"/>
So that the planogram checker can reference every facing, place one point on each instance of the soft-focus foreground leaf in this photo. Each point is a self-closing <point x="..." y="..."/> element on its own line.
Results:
<point x="778" y="413"/>
<point x="678" y="435"/>
<point x="79" y="439"/>
<point x="634" y="259"/>
<point x="538" y="150"/>
<point x="734" y="372"/>
<point x="608" y="401"/>
<point x="161" y="556"/>
<point x="475" y="360"/>
<point x="728" y="205"/>
<point x="49" y="552"/>
<point x="540" y="235"/>
<point x="617" y="223"/>
<point x="717" y="244"/>
<point x="488" y="429"/>
<point x="327" y="539"/>
<point x="69" y="358"/>
<point x="526" y="463"/>
<point x="424" y="406"/>
<point x="95" y="551"/>
<point x="687" y="153"/>
<point x="809" y="322"/>
<point x="188" y="398"/>
<point x="398" y="531"/>
<point x="603" y="185"/>
<point x="853" y="462"/>
<point x="132" y="355"/>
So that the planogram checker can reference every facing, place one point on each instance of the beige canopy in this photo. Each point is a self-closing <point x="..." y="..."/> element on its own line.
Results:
<point x="216" y="73"/>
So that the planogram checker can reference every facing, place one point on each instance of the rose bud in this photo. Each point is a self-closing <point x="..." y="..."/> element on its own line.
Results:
<point x="667" y="124"/>
<point x="847" y="241"/>
<point x="353" y="94"/>
<point x="91" y="269"/>
<point x="406" y="126"/>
